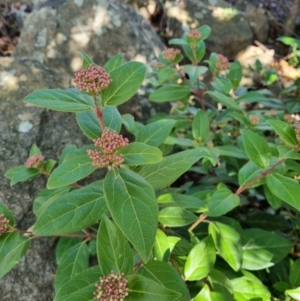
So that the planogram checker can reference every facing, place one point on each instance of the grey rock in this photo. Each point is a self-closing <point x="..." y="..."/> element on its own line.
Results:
<point x="47" y="57"/>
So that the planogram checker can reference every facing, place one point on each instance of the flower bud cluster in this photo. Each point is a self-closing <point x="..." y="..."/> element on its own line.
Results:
<point x="35" y="161"/>
<point x="109" y="142"/>
<point x="170" y="54"/>
<point x="193" y="36"/>
<point x="92" y="80"/>
<point x="222" y="62"/>
<point x="254" y="119"/>
<point x="111" y="288"/>
<point x="4" y="224"/>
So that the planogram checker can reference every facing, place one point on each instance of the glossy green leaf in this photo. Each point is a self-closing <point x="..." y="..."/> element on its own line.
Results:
<point x="161" y="247"/>
<point x="89" y="123"/>
<point x="235" y="73"/>
<point x="114" y="62"/>
<point x="129" y="195"/>
<point x="200" y="50"/>
<point x="49" y="165"/>
<point x="294" y="277"/>
<point x="21" y="173"/>
<point x="200" y="260"/>
<point x="58" y="100"/>
<point x="231" y="151"/>
<point x="222" y="84"/>
<point x="221" y="283"/>
<point x="164" y="173"/>
<point x="166" y="275"/>
<point x="294" y="293"/>
<point x="166" y="73"/>
<point x="169" y="93"/>
<point x="246" y="289"/>
<point x="256" y="148"/>
<point x="13" y="247"/>
<point x="273" y="200"/>
<point x="251" y="97"/>
<point x="45" y="195"/>
<point x="63" y="245"/>
<point x="72" y="212"/>
<point x="131" y="125"/>
<point x="34" y="150"/>
<point x="155" y="133"/>
<point x="221" y="202"/>
<point x="127" y="79"/>
<point x="194" y="72"/>
<point x="204" y="294"/>
<point x="138" y="153"/>
<point x="75" y="167"/>
<point x="113" y="250"/>
<point x="224" y="100"/>
<point x="287" y="153"/>
<point x="205" y="31"/>
<point x="74" y="261"/>
<point x="176" y="217"/>
<point x="80" y="287"/>
<point x="262" y="249"/>
<point x="7" y="213"/>
<point x="284" y="188"/>
<point x="284" y="130"/>
<point x="227" y="242"/>
<point x="200" y="127"/>
<point x="248" y="173"/>
<point x="86" y="60"/>
<point x="145" y="289"/>
<point x="181" y="200"/>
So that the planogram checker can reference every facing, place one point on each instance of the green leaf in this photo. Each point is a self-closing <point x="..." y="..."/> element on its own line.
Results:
<point x="169" y="93"/>
<point x="205" y="31"/>
<point x="113" y="250"/>
<point x="145" y="289"/>
<point x="200" y="50"/>
<point x="176" y="217"/>
<point x="248" y="173"/>
<point x="129" y="195"/>
<point x="227" y="242"/>
<point x="138" y="153"/>
<point x="285" y="189"/>
<point x="251" y="97"/>
<point x="155" y="133"/>
<point x="63" y="245"/>
<point x="294" y="277"/>
<point x="89" y="123"/>
<point x="86" y="60"/>
<point x="21" y="173"/>
<point x="246" y="289"/>
<point x="200" y="260"/>
<point x="166" y="73"/>
<point x="80" y="287"/>
<point x="294" y="293"/>
<point x="200" y="127"/>
<point x="181" y="200"/>
<point x="58" y="100"/>
<point x="231" y="151"/>
<point x="7" y="213"/>
<point x="161" y="247"/>
<point x="13" y="246"/>
<point x="223" y="99"/>
<point x="284" y="130"/>
<point x="262" y="249"/>
<point x="235" y="73"/>
<point x="164" y="173"/>
<point x="256" y="148"/>
<point x="34" y="150"/>
<point x="204" y="294"/>
<point x="194" y="72"/>
<point x="49" y="165"/>
<point x="220" y="283"/>
<point x="222" y="84"/>
<point x="76" y="166"/>
<point x="131" y="125"/>
<point x="114" y="62"/>
<point x="71" y="212"/>
<point x="287" y="153"/>
<point x="178" y="42"/>
<point x="127" y="79"/>
<point x="45" y="195"/>
<point x="74" y="261"/>
<point x="221" y="202"/>
<point x="166" y="275"/>
<point x="273" y="200"/>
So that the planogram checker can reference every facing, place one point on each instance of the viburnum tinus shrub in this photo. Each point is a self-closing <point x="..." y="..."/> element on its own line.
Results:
<point x="201" y="205"/>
